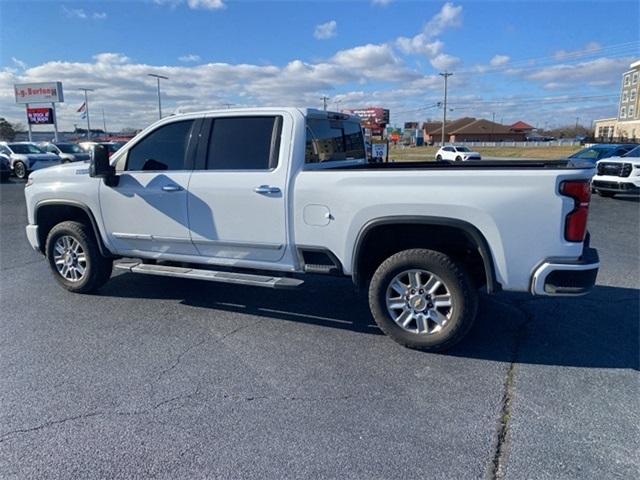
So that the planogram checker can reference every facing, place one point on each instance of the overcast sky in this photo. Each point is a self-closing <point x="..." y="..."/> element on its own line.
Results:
<point x="542" y="62"/>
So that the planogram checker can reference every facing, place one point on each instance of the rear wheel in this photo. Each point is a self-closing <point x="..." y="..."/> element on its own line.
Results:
<point x="605" y="194"/>
<point x="422" y="299"/>
<point x="20" y="170"/>
<point x="75" y="259"/>
<point x="458" y="159"/>
<point x="439" y="158"/>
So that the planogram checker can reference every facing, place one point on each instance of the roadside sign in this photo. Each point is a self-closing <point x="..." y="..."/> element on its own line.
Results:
<point x="379" y="150"/>
<point x="43" y="92"/>
<point x="40" y="116"/>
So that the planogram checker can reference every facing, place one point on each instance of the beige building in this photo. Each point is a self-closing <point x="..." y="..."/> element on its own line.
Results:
<point x="626" y="126"/>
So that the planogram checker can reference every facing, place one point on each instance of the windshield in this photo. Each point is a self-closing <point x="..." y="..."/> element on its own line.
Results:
<point x="69" y="148"/>
<point x="462" y="149"/>
<point x="331" y="139"/>
<point x="24" y="148"/>
<point x="633" y="153"/>
<point x="591" y="153"/>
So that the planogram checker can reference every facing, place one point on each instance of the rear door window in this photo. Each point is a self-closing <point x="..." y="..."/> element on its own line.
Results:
<point x="244" y="143"/>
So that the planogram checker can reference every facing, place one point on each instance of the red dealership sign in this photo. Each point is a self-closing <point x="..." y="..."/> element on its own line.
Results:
<point x="40" y="116"/>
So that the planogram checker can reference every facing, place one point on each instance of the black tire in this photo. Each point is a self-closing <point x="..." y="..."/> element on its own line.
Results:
<point x="606" y="194"/>
<point x="464" y="298"/>
<point x="438" y="158"/>
<point x="20" y="170"/>
<point x="458" y="159"/>
<point x="98" y="268"/>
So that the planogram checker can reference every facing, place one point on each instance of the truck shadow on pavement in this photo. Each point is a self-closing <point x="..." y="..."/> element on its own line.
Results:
<point x="600" y="330"/>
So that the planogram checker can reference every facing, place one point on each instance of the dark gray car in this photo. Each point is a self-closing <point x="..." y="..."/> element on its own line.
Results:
<point x="68" y="152"/>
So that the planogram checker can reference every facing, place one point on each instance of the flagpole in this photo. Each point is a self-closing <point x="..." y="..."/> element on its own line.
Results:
<point x="86" y="106"/>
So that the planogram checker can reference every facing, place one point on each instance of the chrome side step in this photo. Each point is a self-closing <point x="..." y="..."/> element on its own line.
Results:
<point x="210" y="275"/>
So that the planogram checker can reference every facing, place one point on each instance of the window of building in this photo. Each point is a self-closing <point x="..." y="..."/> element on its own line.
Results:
<point x="627" y="79"/>
<point x="163" y="149"/>
<point x="623" y="112"/>
<point x="632" y="95"/>
<point x="625" y="97"/>
<point x="630" y="112"/>
<point x="634" y="78"/>
<point x="244" y="143"/>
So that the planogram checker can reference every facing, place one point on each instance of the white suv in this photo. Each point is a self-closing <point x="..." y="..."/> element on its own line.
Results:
<point x="456" y="153"/>
<point x="618" y="174"/>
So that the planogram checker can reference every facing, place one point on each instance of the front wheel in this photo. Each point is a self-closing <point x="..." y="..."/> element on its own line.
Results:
<point x="75" y="259"/>
<point x="458" y="159"/>
<point x="422" y="299"/>
<point x="20" y="170"/>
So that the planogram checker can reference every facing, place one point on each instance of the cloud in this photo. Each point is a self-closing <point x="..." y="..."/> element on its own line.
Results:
<point x="194" y="4"/>
<point x="19" y="63"/>
<point x="381" y="2"/>
<point x="499" y="60"/>
<point x="74" y="13"/>
<point x="591" y="47"/>
<point x="599" y="72"/>
<point x="326" y="30"/>
<point x="444" y="61"/>
<point x="448" y="16"/>
<point x="81" y="14"/>
<point x="189" y="58"/>
<point x="425" y="43"/>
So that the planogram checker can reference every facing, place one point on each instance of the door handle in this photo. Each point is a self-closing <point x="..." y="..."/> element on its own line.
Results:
<point x="266" y="189"/>
<point x="171" y="188"/>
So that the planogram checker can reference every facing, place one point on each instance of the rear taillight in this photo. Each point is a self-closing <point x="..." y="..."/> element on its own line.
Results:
<point x="575" y="227"/>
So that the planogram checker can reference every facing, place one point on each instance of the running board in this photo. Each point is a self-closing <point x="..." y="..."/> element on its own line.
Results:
<point x="210" y="275"/>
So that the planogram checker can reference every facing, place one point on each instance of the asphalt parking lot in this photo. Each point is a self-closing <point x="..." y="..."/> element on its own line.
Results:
<point x="164" y="378"/>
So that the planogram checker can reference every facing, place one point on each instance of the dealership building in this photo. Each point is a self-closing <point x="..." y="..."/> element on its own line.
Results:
<point x="626" y="125"/>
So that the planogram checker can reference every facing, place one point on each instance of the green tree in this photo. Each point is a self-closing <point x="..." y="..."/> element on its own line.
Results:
<point x="7" y="131"/>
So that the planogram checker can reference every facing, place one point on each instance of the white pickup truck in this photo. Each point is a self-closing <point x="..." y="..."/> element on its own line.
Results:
<point x="263" y="197"/>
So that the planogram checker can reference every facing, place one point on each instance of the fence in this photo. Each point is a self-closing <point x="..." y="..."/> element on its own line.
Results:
<point x="553" y="143"/>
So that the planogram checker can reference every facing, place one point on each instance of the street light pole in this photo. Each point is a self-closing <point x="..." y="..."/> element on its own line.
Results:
<point x="158" y="77"/>
<point x="86" y="109"/>
<point x="324" y="102"/>
<point x="446" y="76"/>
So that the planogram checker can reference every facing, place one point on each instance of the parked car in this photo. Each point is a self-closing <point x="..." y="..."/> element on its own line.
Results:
<point x="193" y="197"/>
<point x="112" y="147"/>
<point x="456" y="153"/>
<point x="5" y="169"/>
<point x="25" y="157"/>
<point x="618" y="174"/>
<point x="597" y="152"/>
<point x="68" y="152"/>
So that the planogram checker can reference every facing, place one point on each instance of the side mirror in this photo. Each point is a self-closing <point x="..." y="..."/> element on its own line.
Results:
<point x="99" y="165"/>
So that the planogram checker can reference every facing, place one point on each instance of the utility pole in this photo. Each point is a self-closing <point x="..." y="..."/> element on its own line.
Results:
<point x="158" y="77"/>
<point x="577" y="120"/>
<point x="86" y="109"/>
<point x="493" y="123"/>
<point x="104" y="122"/>
<point x="446" y="76"/>
<point x="324" y="99"/>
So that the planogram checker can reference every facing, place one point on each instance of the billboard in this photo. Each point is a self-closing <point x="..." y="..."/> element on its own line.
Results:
<point x="376" y="115"/>
<point x="40" y="116"/>
<point x="44" y="92"/>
